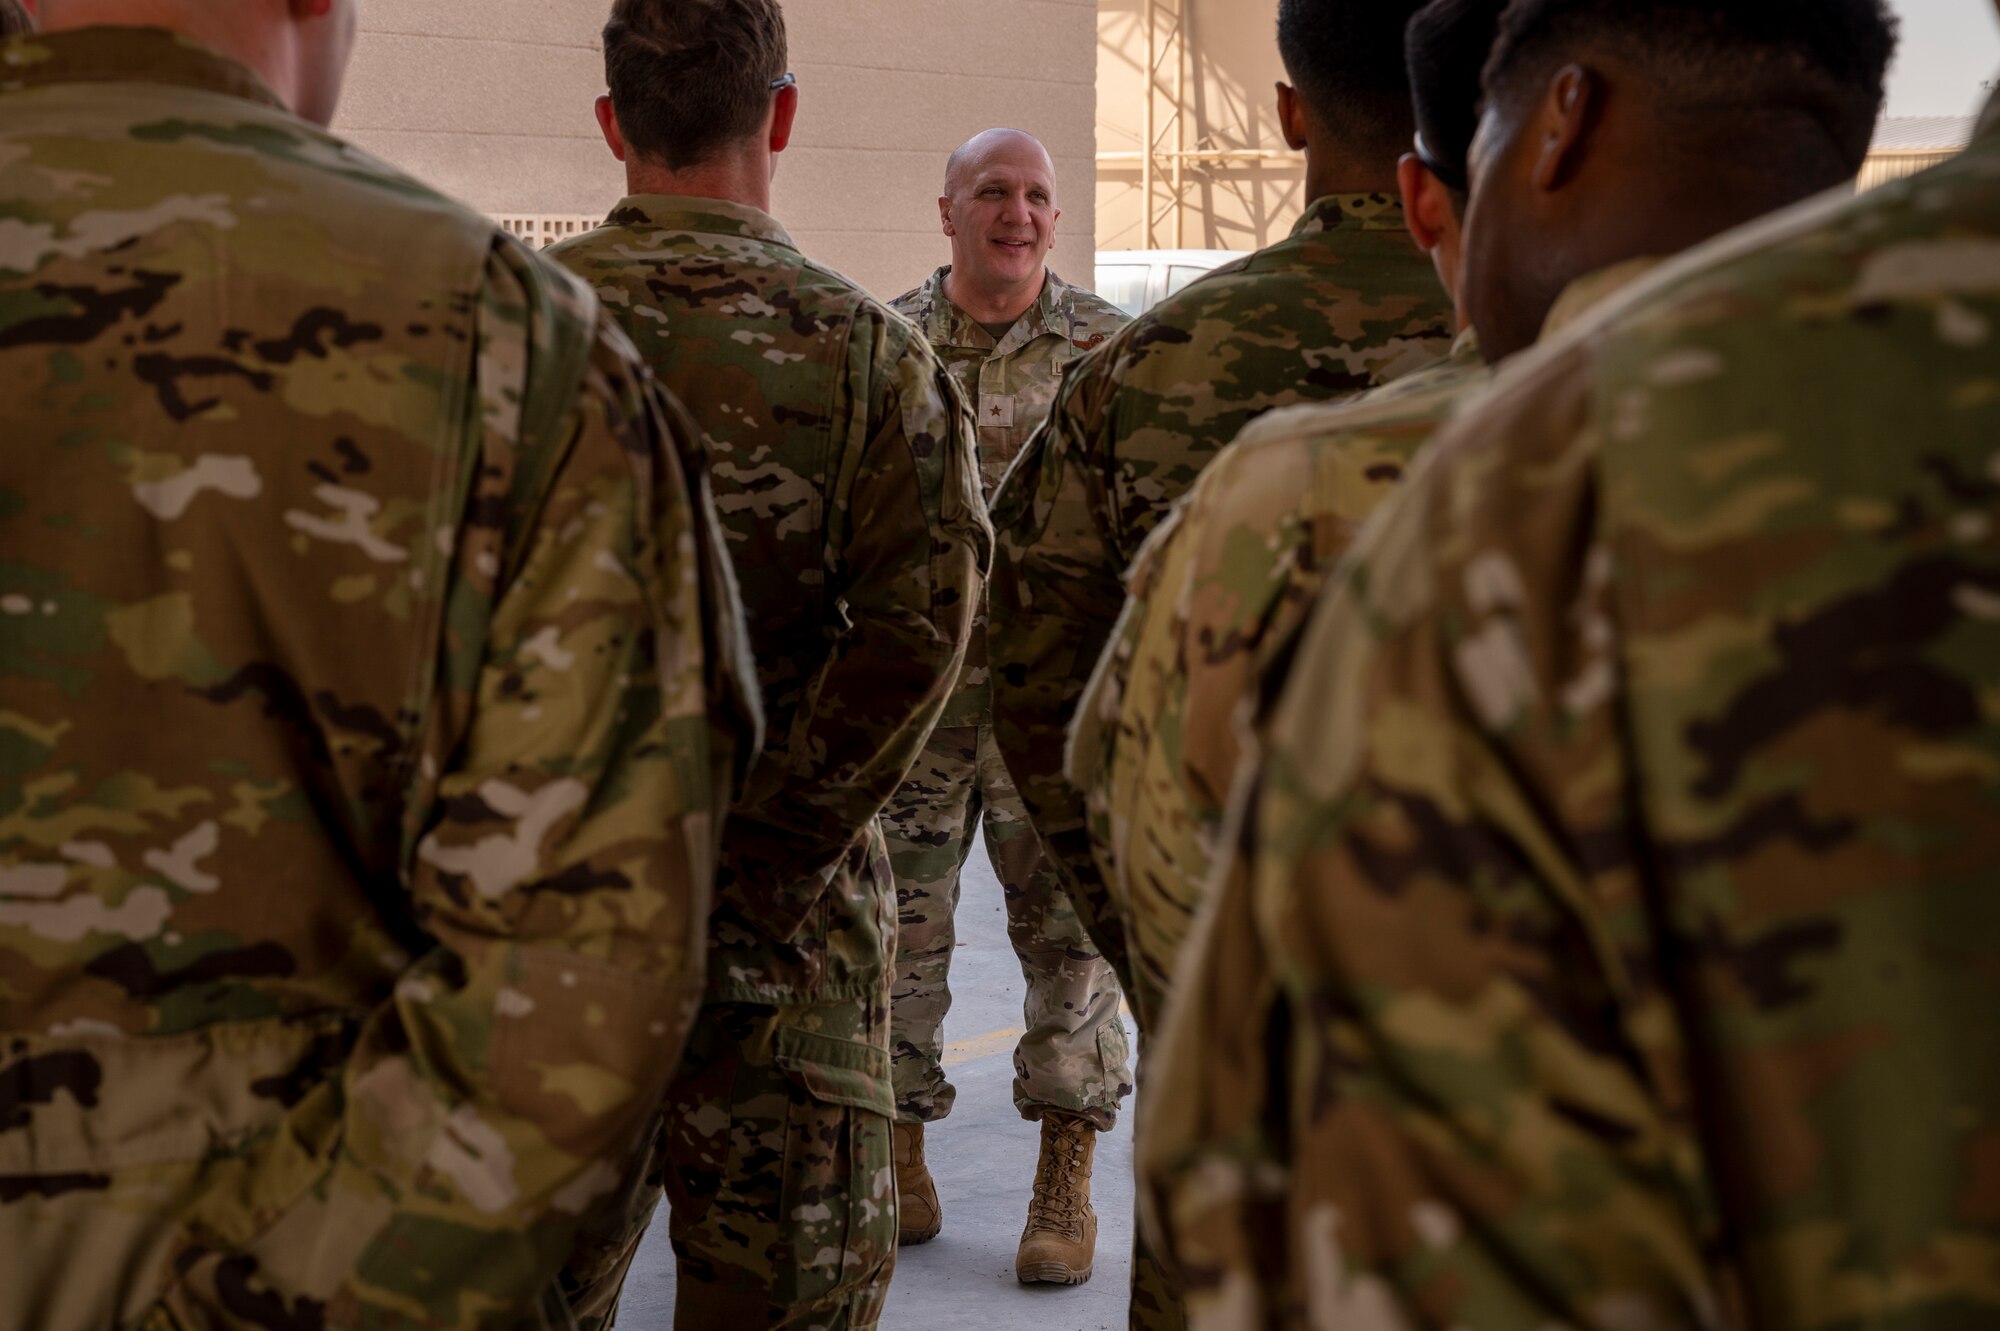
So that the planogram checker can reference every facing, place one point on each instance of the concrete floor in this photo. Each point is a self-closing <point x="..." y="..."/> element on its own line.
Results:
<point x="983" y="1158"/>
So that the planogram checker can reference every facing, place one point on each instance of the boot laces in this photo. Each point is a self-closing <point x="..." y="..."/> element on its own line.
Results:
<point x="1058" y="1201"/>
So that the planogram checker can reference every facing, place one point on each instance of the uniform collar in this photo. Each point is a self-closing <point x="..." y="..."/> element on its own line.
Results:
<point x="127" y="55"/>
<point x="944" y="324"/>
<point x="1351" y="212"/>
<point x="1593" y="289"/>
<point x="708" y="217"/>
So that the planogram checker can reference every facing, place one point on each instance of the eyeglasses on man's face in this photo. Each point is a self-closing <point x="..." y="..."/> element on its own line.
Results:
<point x="784" y="81"/>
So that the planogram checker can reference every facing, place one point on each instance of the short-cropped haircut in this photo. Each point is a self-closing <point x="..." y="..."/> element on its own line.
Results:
<point x="1345" y="57"/>
<point x="1447" y="43"/>
<point x="1826" y="59"/>
<point x="14" y="19"/>
<point x="690" y="77"/>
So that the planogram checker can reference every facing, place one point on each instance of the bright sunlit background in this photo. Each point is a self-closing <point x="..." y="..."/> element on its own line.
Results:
<point x="1950" y="47"/>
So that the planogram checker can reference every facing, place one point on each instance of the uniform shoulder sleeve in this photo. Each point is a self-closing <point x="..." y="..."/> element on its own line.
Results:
<point x="1055" y="597"/>
<point x="908" y="549"/>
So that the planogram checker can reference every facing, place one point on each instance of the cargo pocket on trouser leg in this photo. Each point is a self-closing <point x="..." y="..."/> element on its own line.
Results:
<point x="839" y="1193"/>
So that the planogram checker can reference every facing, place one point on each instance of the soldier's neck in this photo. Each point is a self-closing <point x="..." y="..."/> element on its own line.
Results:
<point x="246" y="34"/>
<point x="1330" y="172"/>
<point x="1005" y="306"/>
<point x="742" y="178"/>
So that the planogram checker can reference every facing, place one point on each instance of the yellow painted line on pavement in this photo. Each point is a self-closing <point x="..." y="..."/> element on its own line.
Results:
<point x="996" y="1042"/>
<point x="981" y="1046"/>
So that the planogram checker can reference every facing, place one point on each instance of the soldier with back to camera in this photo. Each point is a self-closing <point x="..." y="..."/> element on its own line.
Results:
<point x="1344" y="304"/>
<point x="370" y="689"/>
<point x="1621" y="863"/>
<point x="844" y="472"/>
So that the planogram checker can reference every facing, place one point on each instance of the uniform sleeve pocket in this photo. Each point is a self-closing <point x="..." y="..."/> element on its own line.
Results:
<point x="836" y="1071"/>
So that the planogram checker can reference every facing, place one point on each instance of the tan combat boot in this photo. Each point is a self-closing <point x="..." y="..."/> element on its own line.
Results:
<point x="916" y="1195"/>
<point x="1060" y="1243"/>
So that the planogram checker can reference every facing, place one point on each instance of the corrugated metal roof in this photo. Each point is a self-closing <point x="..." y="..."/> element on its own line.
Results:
<point x="1905" y="134"/>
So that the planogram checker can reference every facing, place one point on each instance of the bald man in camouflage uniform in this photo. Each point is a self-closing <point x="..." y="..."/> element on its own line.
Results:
<point x="369" y="687"/>
<point x="850" y="496"/>
<point x="1009" y="329"/>
<point x="1627" y="830"/>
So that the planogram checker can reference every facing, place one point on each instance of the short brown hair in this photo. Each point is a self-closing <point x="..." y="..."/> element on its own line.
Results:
<point x="14" y="19"/>
<point x="689" y="77"/>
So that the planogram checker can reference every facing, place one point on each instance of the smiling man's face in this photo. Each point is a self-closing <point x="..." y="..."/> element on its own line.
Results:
<point x="1000" y="212"/>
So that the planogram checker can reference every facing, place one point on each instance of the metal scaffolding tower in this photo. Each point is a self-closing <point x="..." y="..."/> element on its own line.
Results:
<point x="1165" y="154"/>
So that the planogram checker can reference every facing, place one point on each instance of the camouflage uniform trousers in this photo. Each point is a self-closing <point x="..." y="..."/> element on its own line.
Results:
<point x="1072" y="1056"/>
<point x="774" y="1155"/>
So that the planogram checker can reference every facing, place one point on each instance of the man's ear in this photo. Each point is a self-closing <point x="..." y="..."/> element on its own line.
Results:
<point x="607" y="122"/>
<point x="1569" y="114"/>
<point x="784" y="113"/>
<point x="1292" y="116"/>
<point x="1426" y="202"/>
<point x="944" y="214"/>
<point x="1052" y="228"/>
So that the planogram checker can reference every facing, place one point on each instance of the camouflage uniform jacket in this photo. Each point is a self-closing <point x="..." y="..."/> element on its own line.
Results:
<point x="1346" y="304"/>
<point x="1219" y="585"/>
<point x="1617" y="931"/>
<point x="844" y="472"/>
<point x="369" y="680"/>
<point x="1217" y="594"/>
<point x="1010" y="386"/>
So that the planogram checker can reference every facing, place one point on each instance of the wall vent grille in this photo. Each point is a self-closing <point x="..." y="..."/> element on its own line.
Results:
<point x="542" y="230"/>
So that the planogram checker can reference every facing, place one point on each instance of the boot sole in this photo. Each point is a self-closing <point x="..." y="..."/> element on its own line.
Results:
<point x="1052" y="1273"/>
<point x="910" y="1238"/>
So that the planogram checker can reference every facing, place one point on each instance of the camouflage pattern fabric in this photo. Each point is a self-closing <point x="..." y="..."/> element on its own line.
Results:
<point x="848" y="489"/>
<point x="844" y="473"/>
<point x="774" y="1154"/>
<point x="369" y="686"/>
<point x="1220" y="585"/>
<point x="1072" y="1055"/>
<point x="1010" y="386"/>
<point x="1218" y="594"/>
<point x="1345" y="304"/>
<point x="1616" y="931"/>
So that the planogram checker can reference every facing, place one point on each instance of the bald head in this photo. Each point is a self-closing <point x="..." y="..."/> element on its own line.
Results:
<point x="999" y="208"/>
<point x="1011" y="146"/>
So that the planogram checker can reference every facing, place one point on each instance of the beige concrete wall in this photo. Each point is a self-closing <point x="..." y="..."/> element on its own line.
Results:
<point x="1227" y="53"/>
<point x="491" y="101"/>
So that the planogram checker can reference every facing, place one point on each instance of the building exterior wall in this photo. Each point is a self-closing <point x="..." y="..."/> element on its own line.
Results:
<point x="1881" y="168"/>
<point x="1240" y="187"/>
<point x="492" y="102"/>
